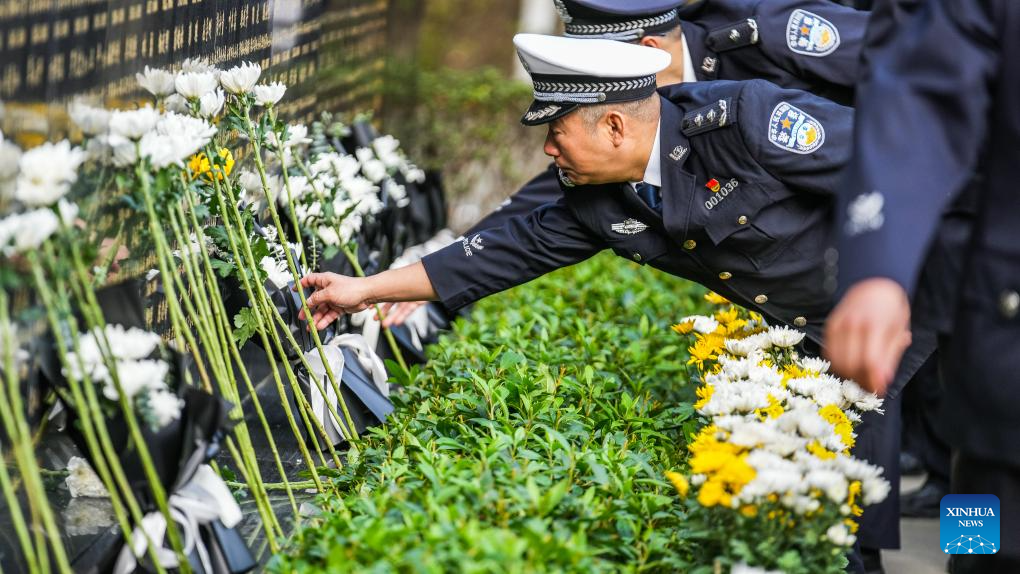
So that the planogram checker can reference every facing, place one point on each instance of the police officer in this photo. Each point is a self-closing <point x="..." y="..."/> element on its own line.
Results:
<point x="730" y="185"/>
<point x="946" y="90"/>
<point x="812" y="45"/>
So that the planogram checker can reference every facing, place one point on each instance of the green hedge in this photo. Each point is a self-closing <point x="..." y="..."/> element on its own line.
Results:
<point x="535" y="440"/>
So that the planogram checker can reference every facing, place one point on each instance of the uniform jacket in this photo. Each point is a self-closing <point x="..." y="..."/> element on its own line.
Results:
<point x="761" y="50"/>
<point x="941" y="105"/>
<point x="760" y="238"/>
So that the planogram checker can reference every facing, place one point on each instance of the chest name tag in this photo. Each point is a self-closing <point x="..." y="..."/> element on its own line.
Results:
<point x="795" y="131"/>
<point x="719" y="193"/>
<point x="810" y="34"/>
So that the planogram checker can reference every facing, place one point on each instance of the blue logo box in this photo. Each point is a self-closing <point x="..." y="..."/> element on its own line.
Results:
<point x="969" y="524"/>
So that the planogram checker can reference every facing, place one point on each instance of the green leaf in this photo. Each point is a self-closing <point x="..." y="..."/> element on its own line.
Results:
<point x="246" y="325"/>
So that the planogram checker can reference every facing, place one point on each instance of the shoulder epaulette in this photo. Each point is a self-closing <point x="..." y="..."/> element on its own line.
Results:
<point x="718" y="115"/>
<point x="732" y="36"/>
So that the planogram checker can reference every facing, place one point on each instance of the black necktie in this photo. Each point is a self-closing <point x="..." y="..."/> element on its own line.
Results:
<point x="650" y="195"/>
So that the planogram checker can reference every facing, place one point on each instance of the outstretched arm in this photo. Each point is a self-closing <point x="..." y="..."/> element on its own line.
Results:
<point x="337" y="294"/>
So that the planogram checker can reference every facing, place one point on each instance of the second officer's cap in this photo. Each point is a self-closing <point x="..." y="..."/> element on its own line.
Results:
<point x="624" y="20"/>
<point x="568" y="72"/>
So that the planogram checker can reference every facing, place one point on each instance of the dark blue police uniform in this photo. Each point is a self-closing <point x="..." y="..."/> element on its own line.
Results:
<point x="938" y="107"/>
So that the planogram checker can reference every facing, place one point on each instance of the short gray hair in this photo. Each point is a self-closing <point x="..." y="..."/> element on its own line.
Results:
<point x="643" y="110"/>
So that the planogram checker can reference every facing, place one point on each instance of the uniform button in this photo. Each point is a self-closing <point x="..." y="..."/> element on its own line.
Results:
<point x="725" y="275"/>
<point x="690" y="244"/>
<point x="761" y="299"/>
<point x="636" y="256"/>
<point x="742" y="220"/>
<point x="800" y="322"/>
<point x="1009" y="304"/>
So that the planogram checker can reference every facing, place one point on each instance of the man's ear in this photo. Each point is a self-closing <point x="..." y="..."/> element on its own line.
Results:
<point x="616" y="126"/>
<point x="651" y="42"/>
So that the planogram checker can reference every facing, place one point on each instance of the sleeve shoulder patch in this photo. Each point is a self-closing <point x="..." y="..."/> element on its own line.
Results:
<point x="718" y="115"/>
<point x="793" y="130"/>
<point x="809" y="34"/>
<point x="732" y="36"/>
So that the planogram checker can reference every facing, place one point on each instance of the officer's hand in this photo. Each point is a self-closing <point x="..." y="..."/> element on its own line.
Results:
<point x="867" y="333"/>
<point x="394" y="314"/>
<point x="334" y="295"/>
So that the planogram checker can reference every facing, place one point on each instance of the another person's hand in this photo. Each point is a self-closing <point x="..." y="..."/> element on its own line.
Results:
<point x="334" y="295"/>
<point x="867" y="333"/>
<point x="396" y="313"/>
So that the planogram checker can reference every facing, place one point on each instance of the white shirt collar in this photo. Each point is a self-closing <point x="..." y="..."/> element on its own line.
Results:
<point x="689" y="75"/>
<point x="653" y="171"/>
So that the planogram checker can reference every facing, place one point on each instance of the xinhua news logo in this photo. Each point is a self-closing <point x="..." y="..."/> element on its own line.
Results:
<point x="969" y="524"/>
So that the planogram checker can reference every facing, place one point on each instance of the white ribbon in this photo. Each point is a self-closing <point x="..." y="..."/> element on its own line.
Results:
<point x="204" y="499"/>
<point x="335" y="362"/>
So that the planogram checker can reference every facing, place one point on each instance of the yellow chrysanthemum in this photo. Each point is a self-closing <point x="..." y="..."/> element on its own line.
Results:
<point x="728" y="316"/>
<point x="716" y="299"/>
<point x="820" y="451"/>
<point x="712" y="493"/>
<point x="684" y="328"/>
<point x="840" y="423"/>
<point x="749" y="510"/>
<point x="702" y="351"/>
<point x="736" y="327"/>
<point x="772" y="411"/>
<point x="704" y="395"/>
<point x="853" y="493"/>
<point x="199" y="165"/>
<point x="851" y="525"/>
<point x="679" y="482"/>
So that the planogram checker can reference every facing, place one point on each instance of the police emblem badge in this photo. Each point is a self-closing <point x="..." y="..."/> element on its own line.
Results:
<point x="795" y="131"/>
<point x="810" y="34"/>
<point x="629" y="227"/>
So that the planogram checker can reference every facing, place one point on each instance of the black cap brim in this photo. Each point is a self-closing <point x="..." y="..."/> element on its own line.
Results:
<point x="544" y="112"/>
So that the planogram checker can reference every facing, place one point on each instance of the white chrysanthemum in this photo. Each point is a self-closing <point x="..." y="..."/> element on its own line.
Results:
<point x="746" y="346"/>
<point x="733" y="398"/>
<point x="133" y="124"/>
<point x="358" y="188"/>
<point x="829" y="481"/>
<point x="299" y="186"/>
<point x="197" y="66"/>
<point x="47" y="173"/>
<point x="68" y="211"/>
<point x="414" y="174"/>
<point x="268" y="95"/>
<point x="157" y="82"/>
<point x="784" y="337"/>
<point x="702" y="324"/>
<point x="210" y="105"/>
<point x="91" y="120"/>
<point x="251" y="182"/>
<point x="129" y="343"/>
<point x="166" y="406"/>
<point x="176" y="103"/>
<point x="398" y="193"/>
<point x="277" y="271"/>
<point x="815" y="364"/>
<point x="764" y="374"/>
<point x="123" y="152"/>
<point x="387" y="150"/>
<point x="177" y="137"/>
<point x="344" y="167"/>
<point x="374" y="170"/>
<point x="241" y="79"/>
<point x="135" y="377"/>
<point x="861" y="399"/>
<point x="193" y="85"/>
<point x="82" y="481"/>
<point x="839" y="535"/>
<point x="744" y="568"/>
